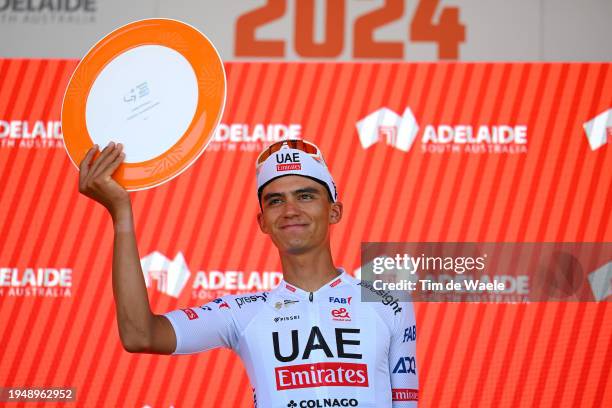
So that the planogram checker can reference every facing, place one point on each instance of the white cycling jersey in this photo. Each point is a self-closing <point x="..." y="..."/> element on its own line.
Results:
<point x="312" y="349"/>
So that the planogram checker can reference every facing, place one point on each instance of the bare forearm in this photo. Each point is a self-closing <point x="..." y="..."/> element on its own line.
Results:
<point x="134" y="315"/>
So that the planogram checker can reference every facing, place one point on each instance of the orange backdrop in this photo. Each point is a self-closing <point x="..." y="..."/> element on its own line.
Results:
<point x="507" y="355"/>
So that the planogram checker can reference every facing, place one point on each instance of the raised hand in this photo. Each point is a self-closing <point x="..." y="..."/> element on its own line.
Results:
<point x="95" y="179"/>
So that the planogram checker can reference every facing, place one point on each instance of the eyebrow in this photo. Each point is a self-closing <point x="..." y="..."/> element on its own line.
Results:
<point x="310" y="190"/>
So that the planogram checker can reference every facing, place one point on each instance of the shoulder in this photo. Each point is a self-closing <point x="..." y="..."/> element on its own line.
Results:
<point x="248" y="300"/>
<point x="390" y="305"/>
<point x="242" y="308"/>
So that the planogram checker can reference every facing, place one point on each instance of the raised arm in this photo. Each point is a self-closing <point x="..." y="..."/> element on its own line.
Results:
<point x="140" y="330"/>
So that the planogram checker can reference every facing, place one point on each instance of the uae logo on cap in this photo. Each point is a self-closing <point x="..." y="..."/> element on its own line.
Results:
<point x="288" y="161"/>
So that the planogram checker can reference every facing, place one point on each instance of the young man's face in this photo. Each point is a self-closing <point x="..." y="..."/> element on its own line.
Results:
<point x="296" y="213"/>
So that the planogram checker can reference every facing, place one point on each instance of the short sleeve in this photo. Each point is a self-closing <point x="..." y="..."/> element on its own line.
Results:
<point x="203" y="327"/>
<point x="402" y="359"/>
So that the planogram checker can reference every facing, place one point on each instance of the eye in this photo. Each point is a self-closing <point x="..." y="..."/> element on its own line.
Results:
<point x="306" y="196"/>
<point x="273" y="201"/>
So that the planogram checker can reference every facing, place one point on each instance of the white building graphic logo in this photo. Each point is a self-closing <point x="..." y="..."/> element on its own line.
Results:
<point x="601" y="282"/>
<point x="401" y="132"/>
<point x="171" y="275"/>
<point x="599" y="129"/>
<point x="386" y="125"/>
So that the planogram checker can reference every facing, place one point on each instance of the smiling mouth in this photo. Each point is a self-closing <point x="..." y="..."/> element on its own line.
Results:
<point x="293" y="226"/>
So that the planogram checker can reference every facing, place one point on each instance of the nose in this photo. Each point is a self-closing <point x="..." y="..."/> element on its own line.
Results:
<point x="290" y="209"/>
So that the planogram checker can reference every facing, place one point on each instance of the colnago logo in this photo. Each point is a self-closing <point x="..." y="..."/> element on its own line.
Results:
<point x="171" y="275"/>
<point x="31" y="134"/>
<point x="325" y="402"/>
<point x="252" y="137"/>
<point x="599" y="129"/>
<point x="43" y="282"/>
<point x="600" y="281"/>
<point x="401" y="132"/>
<point x="321" y="375"/>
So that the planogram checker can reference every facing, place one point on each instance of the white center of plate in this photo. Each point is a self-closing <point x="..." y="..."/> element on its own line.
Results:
<point x="145" y="99"/>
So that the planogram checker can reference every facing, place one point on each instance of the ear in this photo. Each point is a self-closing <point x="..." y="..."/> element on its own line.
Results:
<point x="335" y="213"/>
<point x="262" y="223"/>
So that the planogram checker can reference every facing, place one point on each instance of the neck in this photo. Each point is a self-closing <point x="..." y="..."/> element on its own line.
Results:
<point x="309" y="271"/>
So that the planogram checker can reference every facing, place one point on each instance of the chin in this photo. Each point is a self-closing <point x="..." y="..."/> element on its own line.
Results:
<point x="296" y="248"/>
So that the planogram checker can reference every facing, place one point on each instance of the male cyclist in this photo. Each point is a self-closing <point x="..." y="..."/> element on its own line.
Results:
<point x="310" y="342"/>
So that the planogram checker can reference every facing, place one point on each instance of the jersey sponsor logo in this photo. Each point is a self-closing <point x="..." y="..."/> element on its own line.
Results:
<point x="344" y="301"/>
<point x="240" y="301"/>
<point x="405" y="394"/>
<point x="405" y="365"/>
<point x="221" y="303"/>
<point x="386" y="297"/>
<point x="335" y="283"/>
<point x="191" y="314"/>
<point x="206" y="307"/>
<point x="409" y="334"/>
<point x="288" y="166"/>
<point x="321" y="375"/>
<point x="286" y="318"/>
<point x="288" y="161"/>
<point x="316" y="341"/>
<point x="340" y="315"/>
<point x="325" y="402"/>
<point x="289" y="287"/>
<point x="286" y="303"/>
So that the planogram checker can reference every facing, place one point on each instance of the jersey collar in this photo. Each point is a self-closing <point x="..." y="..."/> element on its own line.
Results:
<point x="285" y="288"/>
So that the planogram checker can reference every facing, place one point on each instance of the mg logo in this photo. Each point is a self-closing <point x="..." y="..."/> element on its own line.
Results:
<point x="171" y="275"/>
<point x="386" y="125"/>
<point x="599" y="129"/>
